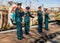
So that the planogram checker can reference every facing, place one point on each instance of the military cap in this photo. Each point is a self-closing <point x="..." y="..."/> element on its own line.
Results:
<point x="39" y="7"/>
<point x="27" y="7"/>
<point x="19" y="3"/>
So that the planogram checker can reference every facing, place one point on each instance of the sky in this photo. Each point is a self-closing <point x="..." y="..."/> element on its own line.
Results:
<point x="38" y="1"/>
<point x="35" y="3"/>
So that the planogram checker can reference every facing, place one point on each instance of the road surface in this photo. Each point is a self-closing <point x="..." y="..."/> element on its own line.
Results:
<point x="11" y="37"/>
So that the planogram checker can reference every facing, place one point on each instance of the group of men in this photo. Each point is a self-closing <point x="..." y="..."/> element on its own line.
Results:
<point x="19" y="13"/>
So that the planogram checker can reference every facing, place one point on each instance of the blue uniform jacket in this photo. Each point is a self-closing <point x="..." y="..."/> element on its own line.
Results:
<point x="46" y="17"/>
<point x="27" y="17"/>
<point x="39" y="15"/>
<point x="18" y="15"/>
<point x="13" y="16"/>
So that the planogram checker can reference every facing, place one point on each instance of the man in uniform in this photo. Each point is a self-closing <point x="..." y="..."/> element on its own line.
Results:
<point x="18" y="19"/>
<point x="46" y="19"/>
<point x="27" y="20"/>
<point x="40" y="19"/>
<point x="4" y="19"/>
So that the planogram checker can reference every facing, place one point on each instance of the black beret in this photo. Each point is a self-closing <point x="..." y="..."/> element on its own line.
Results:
<point x="27" y="7"/>
<point x="19" y="3"/>
<point x="39" y="7"/>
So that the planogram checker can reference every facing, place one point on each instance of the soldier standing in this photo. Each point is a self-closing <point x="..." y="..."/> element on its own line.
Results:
<point x="27" y="20"/>
<point x="18" y="19"/>
<point x="40" y="19"/>
<point x="46" y="19"/>
<point x="4" y="19"/>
